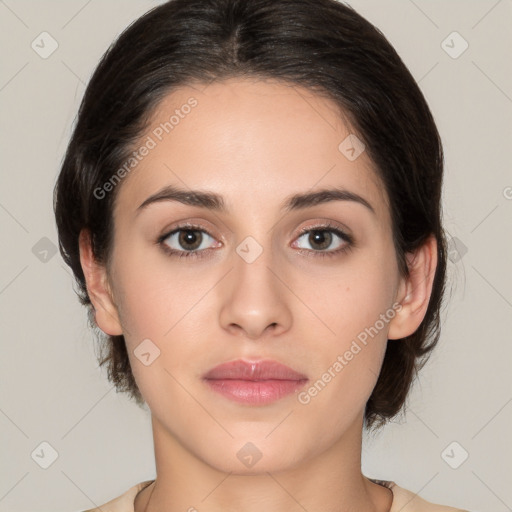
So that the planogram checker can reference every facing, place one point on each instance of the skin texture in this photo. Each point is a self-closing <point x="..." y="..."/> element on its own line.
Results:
<point x="255" y="143"/>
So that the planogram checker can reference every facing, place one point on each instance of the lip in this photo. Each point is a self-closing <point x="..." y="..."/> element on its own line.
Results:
<point x="254" y="382"/>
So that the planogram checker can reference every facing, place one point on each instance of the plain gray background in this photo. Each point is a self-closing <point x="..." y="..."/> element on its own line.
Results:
<point x="52" y="390"/>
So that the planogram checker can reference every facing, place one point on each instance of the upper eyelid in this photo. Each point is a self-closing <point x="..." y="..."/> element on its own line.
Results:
<point x="326" y="226"/>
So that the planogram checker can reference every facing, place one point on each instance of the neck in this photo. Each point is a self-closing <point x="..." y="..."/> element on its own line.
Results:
<point x="330" y="481"/>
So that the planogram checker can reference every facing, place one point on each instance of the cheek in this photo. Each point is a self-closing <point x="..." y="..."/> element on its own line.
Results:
<point x="356" y="306"/>
<point x="349" y="301"/>
<point x="168" y="307"/>
<point x="153" y="294"/>
<point x="346" y="368"/>
<point x="145" y="310"/>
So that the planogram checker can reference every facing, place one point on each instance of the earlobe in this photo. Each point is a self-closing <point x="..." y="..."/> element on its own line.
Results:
<point x="415" y="291"/>
<point x="106" y="313"/>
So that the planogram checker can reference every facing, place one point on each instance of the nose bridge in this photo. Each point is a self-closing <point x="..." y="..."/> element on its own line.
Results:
<point x="254" y="265"/>
<point x="256" y="298"/>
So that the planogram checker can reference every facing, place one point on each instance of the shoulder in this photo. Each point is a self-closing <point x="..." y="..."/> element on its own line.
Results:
<point x="123" y="503"/>
<point x="407" y="501"/>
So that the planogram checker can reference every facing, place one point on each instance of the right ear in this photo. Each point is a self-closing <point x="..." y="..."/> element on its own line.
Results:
<point x="105" y="310"/>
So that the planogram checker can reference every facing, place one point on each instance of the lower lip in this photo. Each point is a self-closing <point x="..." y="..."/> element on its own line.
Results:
<point x="255" y="392"/>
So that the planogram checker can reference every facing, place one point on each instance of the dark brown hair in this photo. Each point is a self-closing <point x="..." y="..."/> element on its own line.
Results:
<point x="323" y="45"/>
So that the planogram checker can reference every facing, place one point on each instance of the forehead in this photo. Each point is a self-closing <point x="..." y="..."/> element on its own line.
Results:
<point x="251" y="141"/>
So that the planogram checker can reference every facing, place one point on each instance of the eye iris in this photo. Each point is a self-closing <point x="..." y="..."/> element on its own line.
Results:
<point x="187" y="236"/>
<point x="318" y="237"/>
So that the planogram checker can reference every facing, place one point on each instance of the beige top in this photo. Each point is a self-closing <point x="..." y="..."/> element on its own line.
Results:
<point x="403" y="500"/>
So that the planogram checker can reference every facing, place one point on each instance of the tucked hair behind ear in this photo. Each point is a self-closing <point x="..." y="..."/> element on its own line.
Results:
<point x="320" y="44"/>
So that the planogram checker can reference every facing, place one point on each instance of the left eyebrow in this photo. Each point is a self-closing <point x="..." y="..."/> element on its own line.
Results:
<point x="215" y="202"/>
<point x="301" y="201"/>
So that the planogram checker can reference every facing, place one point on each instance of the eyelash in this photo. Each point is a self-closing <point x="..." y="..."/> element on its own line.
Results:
<point x="349" y="245"/>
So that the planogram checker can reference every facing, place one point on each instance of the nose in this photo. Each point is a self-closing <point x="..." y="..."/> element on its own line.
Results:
<point x="255" y="297"/>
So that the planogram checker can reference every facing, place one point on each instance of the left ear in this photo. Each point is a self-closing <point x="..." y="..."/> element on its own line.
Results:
<point x="414" y="291"/>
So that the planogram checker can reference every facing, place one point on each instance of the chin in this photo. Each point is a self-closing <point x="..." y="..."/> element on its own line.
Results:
<point x="254" y="455"/>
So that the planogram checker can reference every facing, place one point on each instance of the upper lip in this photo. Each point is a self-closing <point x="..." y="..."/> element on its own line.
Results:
<point x="254" y="370"/>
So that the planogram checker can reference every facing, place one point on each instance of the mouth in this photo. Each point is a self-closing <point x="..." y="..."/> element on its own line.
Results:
<point x="254" y="383"/>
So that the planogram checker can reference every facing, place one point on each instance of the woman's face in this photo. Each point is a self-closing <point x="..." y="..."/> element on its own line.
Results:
<point x="249" y="285"/>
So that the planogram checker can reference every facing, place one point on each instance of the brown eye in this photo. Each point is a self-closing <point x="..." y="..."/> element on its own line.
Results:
<point x="186" y="241"/>
<point x="189" y="240"/>
<point x="321" y="239"/>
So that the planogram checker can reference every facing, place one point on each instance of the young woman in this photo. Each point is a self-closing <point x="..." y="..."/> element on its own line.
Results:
<point x="250" y="203"/>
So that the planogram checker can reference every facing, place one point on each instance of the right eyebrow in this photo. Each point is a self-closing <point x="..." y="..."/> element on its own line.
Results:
<point x="209" y="200"/>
